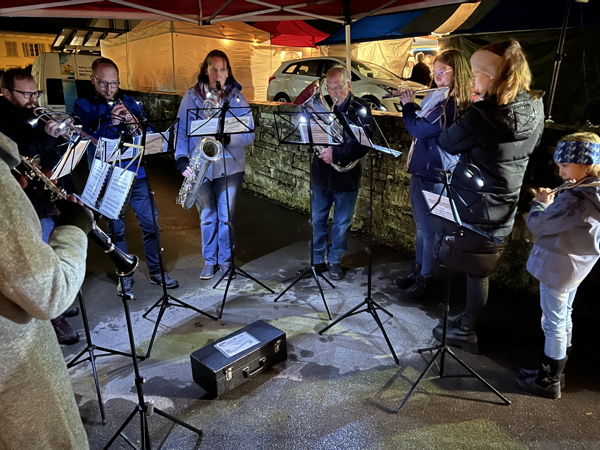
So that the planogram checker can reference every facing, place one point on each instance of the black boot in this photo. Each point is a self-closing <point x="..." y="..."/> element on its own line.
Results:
<point x="547" y="381"/>
<point x="408" y="280"/>
<point x="416" y="291"/>
<point x="459" y="334"/>
<point x="533" y="373"/>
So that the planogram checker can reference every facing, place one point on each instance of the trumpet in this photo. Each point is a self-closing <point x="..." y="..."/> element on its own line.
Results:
<point x="125" y="263"/>
<point x="126" y="116"/>
<point x="65" y="123"/>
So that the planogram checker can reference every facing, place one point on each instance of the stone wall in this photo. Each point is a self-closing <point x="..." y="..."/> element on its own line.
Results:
<point x="280" y="172"/>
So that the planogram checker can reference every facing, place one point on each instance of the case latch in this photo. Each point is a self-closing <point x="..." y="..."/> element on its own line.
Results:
<point x="228" y="373"/>
<point x="277" y="345"/>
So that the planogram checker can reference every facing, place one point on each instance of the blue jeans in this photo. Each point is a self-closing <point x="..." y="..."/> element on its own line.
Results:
<point x="427" y="225"/>
<point x="140" y="202"/>
<point x="344" y="203"/>
<point x="48" y="224"/>
<point x="557" y="308"/>
<point x="212" y="206"/>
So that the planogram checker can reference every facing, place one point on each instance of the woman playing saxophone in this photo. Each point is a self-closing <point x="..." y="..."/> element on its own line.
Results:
<point x="224" y="177"/>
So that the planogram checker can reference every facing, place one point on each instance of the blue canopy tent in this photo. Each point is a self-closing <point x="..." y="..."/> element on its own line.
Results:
<point x="441" y="19"/>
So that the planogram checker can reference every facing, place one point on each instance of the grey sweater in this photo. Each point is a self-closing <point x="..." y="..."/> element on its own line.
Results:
<point x="568" y="237"/>
<point x="37" y="283"/>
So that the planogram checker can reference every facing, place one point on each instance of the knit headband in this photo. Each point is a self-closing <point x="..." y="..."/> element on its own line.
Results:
<point x="572" y="152"/>
<point x="487" y="62"/>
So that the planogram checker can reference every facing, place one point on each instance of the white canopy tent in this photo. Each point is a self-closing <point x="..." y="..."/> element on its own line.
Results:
<point x="166" y="56"/>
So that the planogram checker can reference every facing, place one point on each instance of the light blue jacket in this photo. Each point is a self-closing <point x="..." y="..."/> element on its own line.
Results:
<point x="568" y="237"/>
<point x="192" y="101"/>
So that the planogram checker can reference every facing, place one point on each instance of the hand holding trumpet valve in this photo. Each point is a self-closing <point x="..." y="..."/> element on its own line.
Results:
<point x="55" y="129"/>
<point x="120" y="114"/>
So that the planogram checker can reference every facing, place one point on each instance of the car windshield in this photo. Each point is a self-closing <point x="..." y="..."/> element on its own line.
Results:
<point x="371" y="70"/>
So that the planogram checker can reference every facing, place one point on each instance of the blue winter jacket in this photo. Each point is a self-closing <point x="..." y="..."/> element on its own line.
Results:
<point x="94" y="114"/>
<point x="428" y="158"/>
<point x="190" y="109"/>
<point x="568" y="237"/>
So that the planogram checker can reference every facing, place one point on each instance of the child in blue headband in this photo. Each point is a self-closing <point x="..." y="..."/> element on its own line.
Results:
<point x="567" y="228"/>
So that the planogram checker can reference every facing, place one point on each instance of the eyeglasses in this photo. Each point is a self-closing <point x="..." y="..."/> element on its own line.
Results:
<point x="441" y="73"/>
<point x="104" y="84"/>
<point x="28" y="95"/>
<point x="336" y="89"/>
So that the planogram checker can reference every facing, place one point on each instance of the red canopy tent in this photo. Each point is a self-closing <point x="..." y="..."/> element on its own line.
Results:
<point x="292" y="33"/>
<point x="207" y="11"/>
<point x="204" y="12"/>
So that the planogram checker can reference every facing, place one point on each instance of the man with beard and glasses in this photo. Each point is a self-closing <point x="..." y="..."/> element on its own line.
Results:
<point x="35" y="138"/>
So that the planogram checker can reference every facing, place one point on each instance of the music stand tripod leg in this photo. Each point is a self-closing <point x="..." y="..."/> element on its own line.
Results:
<point x="232" y="267"/>
<point x="442" y="350"/>
<point x="371" y="305"/>
<point x="164" y="300"/>
<point x="143" y="408"/>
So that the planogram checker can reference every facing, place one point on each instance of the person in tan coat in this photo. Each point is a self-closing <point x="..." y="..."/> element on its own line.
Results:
<point x="37" y="282"/>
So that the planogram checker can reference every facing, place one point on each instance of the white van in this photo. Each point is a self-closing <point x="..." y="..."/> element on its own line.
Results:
<point x="62" y="78"/>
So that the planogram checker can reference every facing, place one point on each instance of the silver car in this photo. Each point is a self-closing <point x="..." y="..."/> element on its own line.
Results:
<point x="369" y="81"/>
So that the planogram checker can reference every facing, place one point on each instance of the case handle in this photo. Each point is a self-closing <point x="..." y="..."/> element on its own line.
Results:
<point x="261" y="366"/>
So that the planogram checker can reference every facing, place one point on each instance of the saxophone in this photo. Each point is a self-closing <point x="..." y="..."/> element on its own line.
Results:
<point x="207" y="150"/>
<point x="317" y="103"/>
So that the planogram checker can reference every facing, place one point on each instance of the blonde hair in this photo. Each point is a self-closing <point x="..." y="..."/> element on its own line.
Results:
<point x="460" y="86"/>
<point x="515" y="75"/>
<point x="593" y="170"/>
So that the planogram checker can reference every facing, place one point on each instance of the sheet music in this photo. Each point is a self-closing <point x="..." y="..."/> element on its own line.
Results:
<point x="210" y="127"/>
<point x="439" y="205"/>
<point x="70" y="159"/>
<point x="155" y="142"/>
<point x="321" y="134"/>
<point x="117" y="192"/>
<point x="95" y="183"/>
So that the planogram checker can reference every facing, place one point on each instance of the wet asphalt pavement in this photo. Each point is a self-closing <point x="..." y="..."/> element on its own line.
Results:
<point x="337" y="390"/>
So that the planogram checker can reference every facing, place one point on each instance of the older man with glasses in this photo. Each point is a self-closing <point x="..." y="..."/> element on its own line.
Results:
<point x="111" y="114"/>
<point x="330" y="187"/>
<point x="35" y="138"/>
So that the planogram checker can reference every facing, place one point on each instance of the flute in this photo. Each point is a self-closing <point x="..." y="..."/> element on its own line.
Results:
<point x="566" y="185"/>
<point x="420" y="91"/>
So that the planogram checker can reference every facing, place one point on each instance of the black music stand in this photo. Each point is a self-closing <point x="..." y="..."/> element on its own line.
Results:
<point x="166" y="299"/>
<point x="143" y="408"/>
<point x="286" y="135"/>
<point x="90" y="349"/>
<point x="443" y="348"/>
<point x="371" y="306"/>
<point x="220" y="113"/>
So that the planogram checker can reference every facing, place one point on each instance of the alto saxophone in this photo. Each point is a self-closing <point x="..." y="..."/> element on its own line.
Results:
<point x="207" y="151"/>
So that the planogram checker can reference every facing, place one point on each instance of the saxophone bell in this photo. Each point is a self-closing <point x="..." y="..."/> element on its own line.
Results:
<point x="206" y="152"/>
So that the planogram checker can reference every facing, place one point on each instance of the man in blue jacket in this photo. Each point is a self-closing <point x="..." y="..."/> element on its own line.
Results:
<point x="103" y="116"/>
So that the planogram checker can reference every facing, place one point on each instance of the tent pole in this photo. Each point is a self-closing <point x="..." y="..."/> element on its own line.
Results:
<point x="558" y="59"/>
<point x="347" y="22"/>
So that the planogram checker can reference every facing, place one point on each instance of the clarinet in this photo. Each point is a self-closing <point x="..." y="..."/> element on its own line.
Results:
<point x="125" y="263"/>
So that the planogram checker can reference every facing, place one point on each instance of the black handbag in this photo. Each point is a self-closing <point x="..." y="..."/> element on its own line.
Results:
<point x="462" y="250"/>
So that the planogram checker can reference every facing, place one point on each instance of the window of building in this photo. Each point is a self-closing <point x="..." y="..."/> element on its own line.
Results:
<point x="11" y="48"/>
<point x="32" y="50"/>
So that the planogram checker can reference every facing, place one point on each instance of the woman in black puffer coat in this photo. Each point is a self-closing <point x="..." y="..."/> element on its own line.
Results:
<point x="494" y="138"/>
